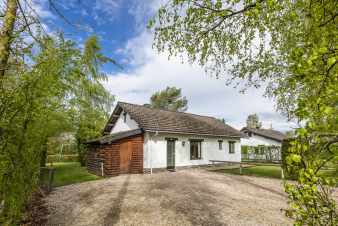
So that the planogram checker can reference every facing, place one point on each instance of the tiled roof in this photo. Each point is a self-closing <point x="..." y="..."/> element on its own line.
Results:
<point x="114" y="137"/>
<point x="267" y="133"/>
<point x="151" y="119"/>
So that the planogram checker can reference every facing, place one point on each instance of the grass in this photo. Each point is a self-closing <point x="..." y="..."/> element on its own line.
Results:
<point x="259" y="171"/>
<point x="70" y="173"/>
<point x="272" y="171"/>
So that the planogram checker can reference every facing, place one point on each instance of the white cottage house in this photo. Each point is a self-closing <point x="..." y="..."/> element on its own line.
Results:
<point x="139" y="138"/>
<point x="262" y="144"/>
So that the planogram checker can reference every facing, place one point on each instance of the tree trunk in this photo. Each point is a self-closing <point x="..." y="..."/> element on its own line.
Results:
<point x="6" y="34"/>
<point x="43" y="157"/>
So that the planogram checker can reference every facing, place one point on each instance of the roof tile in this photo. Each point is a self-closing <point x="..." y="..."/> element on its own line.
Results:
<point x="151" y="119"/>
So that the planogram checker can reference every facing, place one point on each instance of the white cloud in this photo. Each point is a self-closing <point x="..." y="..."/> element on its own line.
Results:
<point x="142" y="11"/>
<point x="206" y="95"/>
<point x="106" y="10"/>
<point x="41" y="8"/>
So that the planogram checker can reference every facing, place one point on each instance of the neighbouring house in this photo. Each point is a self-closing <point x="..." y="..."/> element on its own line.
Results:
<point x="139" y="139"/>
<point x="261" y="144"/>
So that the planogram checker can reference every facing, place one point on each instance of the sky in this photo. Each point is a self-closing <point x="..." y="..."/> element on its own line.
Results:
<point x="121" y="28"/>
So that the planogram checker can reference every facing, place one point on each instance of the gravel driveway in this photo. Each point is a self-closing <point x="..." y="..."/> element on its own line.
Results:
<point x="186" y="197"/>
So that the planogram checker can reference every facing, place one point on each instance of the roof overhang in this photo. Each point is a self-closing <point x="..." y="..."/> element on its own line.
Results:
<point x="115" y="137"/>
<point x="261" y="134"/>
<point x="112" y="120"/>
<point x="196" y="134"/>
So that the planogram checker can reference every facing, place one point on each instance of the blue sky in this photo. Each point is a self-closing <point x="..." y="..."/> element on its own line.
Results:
<point x="121" y="28"/>
<point x="113" y="21"/>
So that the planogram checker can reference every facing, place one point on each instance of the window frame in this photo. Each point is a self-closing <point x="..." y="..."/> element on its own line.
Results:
<point x="199" y="149"/>
<point x="124" y="117"/>
<point x="220" y="144"/>
<point x="232" y="144"/>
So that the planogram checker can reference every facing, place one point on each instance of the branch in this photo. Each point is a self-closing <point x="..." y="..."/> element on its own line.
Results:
<point x="211" y="9"/>
<point x="25" y="26"/>
<point x="329" y="20"/>
<point x="327" y="75"/>
<point x="37" y="17"/>
<point x="233" y="13"/>
<point x="27" y="23"/>
<point x="57" y="11"/>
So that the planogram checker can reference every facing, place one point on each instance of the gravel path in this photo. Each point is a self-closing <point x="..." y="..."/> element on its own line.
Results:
<point x="187" y="197"/>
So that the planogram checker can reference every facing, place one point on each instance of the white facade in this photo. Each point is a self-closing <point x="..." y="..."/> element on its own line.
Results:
<point x="124" y="123"/>
<point x="155" y="150"/>
<point x="256" y="140"/>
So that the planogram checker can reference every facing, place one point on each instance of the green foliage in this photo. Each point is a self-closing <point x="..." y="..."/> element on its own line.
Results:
<point x="94" y="102"/>
<point x="62" y="158"/>
<point x="258" y="171"/>
<point x="169" y="99"/>
<point x="244" y="149"/>
<point x="289" y="170"/>
<point x="253" y="122"/>
<point x="292" y="47"/>
<point x="57" y="145"/>
<point x="71" y="172"/>
<point x="57" y="90"/>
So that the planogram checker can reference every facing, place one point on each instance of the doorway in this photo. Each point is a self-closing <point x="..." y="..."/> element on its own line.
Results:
<point x="125" y="157"/>
<point x="171" y="154"/>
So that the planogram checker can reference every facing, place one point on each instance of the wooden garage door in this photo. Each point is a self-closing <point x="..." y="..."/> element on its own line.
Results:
<point x="125" y="157"/>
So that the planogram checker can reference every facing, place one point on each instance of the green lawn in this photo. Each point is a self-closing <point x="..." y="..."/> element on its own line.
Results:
<point x="69" y="173"/>
<point x="258" y="170"/>
<point x="261" y="170"/>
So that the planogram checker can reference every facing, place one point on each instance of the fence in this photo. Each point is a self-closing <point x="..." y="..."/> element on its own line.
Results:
<point x="46" y="178"/>
<point x="262" y="153"/>
<point x="62" y="158"/>
<point x="239" y="167"/>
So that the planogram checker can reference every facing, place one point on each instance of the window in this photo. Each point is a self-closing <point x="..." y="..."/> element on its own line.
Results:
<point x="195" y="149"/>
<point x="231" y="147"/>
<point x="124" y="117"/>
<point x="220" y="144"/>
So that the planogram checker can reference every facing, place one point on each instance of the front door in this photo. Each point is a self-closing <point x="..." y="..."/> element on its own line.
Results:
<point x="125" y="157"/>
<point x="170" y="154"/>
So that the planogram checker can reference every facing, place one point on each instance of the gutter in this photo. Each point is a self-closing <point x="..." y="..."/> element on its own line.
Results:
<point x="185" y="133"/>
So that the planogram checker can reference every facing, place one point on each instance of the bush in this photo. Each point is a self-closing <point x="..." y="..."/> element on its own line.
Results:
<point x="289" y="172"/>
<point x="244" y="149"/>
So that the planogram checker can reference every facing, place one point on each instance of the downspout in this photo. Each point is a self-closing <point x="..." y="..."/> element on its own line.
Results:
<point x="151" y="158"/>
<point x="102" y="170"/>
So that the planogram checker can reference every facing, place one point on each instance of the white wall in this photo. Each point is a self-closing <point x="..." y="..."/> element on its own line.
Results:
<point x="155" y="150"/>
<point x="255" y="140"/>
<point x="120" y="125"/>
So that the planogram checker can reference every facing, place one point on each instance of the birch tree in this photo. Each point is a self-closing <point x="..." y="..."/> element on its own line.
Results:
<point x="290" y="46"/>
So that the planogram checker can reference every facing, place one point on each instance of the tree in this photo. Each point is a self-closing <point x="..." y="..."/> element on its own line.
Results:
<point x="222" y="120"/>
<point x="288" y="45"/>
<point x="253" y="122"/>
<point x="169" y="99"/>
<point x="55" y="93"/>
<point x="47" y="86"/>
<point x="6" y="34"/>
